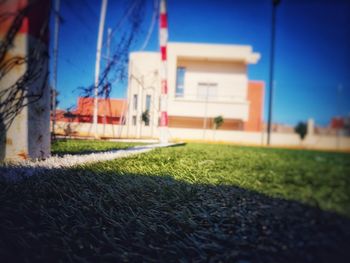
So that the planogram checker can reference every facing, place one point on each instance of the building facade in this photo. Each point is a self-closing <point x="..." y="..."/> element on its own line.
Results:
<point x="204" y="81"/>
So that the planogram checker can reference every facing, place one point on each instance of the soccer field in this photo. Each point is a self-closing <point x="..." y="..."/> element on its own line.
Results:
<point x="74" y="146"/>
<point x="196" y="202"/>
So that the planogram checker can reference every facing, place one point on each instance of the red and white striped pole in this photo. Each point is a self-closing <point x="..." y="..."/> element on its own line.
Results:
<point x="163" y="39"/>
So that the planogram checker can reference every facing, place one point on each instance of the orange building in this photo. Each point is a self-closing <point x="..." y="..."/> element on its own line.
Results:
<point x="110" y="111"/>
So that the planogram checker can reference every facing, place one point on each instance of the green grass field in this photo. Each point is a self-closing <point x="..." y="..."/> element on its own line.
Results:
<point x="190" y="203"/>
<point x="73" y="146"/>
<point x="316" y="178"/>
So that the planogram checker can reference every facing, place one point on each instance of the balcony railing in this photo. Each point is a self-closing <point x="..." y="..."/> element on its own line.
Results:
<point x="210" y="98"/>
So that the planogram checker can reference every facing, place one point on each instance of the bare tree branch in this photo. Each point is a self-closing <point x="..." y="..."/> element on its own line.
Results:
<point x="116" y="68"/>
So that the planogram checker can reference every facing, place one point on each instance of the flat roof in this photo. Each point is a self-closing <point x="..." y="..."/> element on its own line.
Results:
<point x="204" y="51"/>
<point x="242" y="53"/>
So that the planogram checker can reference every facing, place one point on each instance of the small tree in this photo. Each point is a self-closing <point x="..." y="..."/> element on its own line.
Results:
<point x="301" y="129"/>
<point x="218" y="121"/>
<point x="145" y="117"/>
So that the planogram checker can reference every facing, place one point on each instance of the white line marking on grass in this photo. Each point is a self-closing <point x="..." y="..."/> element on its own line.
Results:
<point x="15" y="170"/>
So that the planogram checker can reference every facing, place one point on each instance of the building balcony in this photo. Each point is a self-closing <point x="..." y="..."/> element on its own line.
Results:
<point x="193" y="106"/>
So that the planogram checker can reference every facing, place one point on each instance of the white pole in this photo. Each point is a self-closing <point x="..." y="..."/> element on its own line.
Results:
<point x="109" y="37"/>
<point x="55" y="55"/>
<point x="98" y="59"/>
<point x="109" y="34"/>
<point x="163" y="40"/>
<point x="339" y="90"/>
<point x="205" y="112"/>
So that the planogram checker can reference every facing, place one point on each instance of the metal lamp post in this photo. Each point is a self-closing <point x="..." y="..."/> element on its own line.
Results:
<point x="275" y="3"/>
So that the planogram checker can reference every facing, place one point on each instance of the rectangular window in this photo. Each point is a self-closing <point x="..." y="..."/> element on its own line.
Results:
<point x="134" y="120"/>
<point x="207" y="91"/>
<point x="180" y="82"/>
<point x="135" y="101"/>
<point x="148" y="103"/>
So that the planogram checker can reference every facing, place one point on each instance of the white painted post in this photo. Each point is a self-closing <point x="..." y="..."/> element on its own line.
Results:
<point x="25" y="134"/>
<point x="310" y="127"/>
<point x="55" y="56"/>
<point x="163" y="39"/>
<point x="97" y="65"/>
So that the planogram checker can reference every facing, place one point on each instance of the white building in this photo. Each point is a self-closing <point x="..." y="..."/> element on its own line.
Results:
<point x="204" y="81"/>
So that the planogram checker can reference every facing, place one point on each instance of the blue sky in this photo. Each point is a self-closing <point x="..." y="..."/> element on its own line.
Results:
<point x="312" y="66"/>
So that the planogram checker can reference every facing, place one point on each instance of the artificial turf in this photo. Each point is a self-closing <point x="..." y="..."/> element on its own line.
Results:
<point x="75" y="146"/>
<point x="192" y="203"/>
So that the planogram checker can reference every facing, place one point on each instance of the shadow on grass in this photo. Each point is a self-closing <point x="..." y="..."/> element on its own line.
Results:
<point x="76" y="215"/>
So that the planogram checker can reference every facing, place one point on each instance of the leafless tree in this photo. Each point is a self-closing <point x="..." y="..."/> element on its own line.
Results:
<point x="128" y="27"/>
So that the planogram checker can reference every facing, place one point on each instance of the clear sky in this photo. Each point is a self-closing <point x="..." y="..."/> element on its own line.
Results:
<point x="312" y="66"/>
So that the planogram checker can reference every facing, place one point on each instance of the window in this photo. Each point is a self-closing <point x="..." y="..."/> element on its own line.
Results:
<point x="148" y="103"/>
<point x="207" y="91"/>
<point x="180" y="81"/>
<point x="135" y="101"/>
<point x="134" y="120"/>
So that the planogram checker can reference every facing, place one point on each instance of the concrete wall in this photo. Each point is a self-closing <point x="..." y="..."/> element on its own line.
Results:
<point x="85" y="129"/>
<point x="327" y="142"/>
<point x="104" y="130"/>
<point x="259" y="138"/>
<point x="237" y="137"/>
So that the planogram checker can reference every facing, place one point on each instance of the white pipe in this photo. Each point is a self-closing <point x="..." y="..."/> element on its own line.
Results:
<point x="98" y="59"/>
